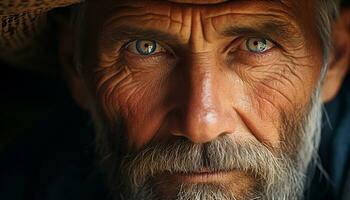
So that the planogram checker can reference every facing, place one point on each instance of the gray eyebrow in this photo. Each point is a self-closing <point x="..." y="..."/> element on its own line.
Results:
<point x="130" y="32"/>
<point x="270" y="29"/>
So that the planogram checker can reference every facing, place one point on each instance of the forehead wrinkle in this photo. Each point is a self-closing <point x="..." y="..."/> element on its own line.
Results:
<point x="195" y="3"/>
<point x="140" y="17"/>
<point x="258" y="7"/>
<point x="283" y="10"/>
<point x="200" y="36"/>
<point x="143" y="20"/>
<point x="211" y="2"/>
<point x="235" y="6"/>
<point x="200" y="2"/>
<point x="148" y="14"/>
<point x="274" y="15"/>
<point x="174" y="19"/>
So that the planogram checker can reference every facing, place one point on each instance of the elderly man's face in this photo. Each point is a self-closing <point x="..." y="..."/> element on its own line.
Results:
<point x="204" y="99"/>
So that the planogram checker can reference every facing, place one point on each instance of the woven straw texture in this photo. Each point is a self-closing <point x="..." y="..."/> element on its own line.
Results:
<point x="23" y="29"/>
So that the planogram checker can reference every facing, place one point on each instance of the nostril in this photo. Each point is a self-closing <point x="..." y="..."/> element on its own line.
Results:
<point x="177" y="133"/>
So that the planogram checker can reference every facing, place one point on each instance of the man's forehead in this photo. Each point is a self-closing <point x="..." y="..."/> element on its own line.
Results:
<point x="213" y="1"/>
<point x="207" y="3"/>
<point x="284" y="3"/>
<point x="198" y="1"/>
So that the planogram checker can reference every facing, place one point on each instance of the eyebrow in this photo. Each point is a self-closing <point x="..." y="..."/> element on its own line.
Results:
<point x="270" y="29"/>
<point x="129" y="32"/>
<point x="122" y="33"/>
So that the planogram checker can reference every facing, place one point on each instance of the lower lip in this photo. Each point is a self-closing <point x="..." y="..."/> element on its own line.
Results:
<point x="204" y="177"/>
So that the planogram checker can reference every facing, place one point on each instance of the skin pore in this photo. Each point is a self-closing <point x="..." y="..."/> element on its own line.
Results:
<point x="211" y="72"/>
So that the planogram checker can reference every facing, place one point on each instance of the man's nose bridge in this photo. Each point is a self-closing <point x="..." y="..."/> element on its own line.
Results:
<point x="202" y="109"/>
<point x="201" y="94"/>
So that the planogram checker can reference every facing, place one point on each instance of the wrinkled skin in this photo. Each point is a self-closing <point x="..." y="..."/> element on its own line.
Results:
<point x="206" y="84"/>
<point x="202" y="82"/>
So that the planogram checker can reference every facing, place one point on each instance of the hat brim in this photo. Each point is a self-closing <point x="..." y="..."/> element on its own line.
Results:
<point x="23" y="25"/>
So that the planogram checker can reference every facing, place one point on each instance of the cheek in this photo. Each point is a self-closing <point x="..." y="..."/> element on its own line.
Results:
<point x="272" y="90"/>
<point x="280" y="86"/>
<point x="135" y="92"/>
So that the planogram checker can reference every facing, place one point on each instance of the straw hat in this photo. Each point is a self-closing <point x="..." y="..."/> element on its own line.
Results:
<point x="24" y="28"/>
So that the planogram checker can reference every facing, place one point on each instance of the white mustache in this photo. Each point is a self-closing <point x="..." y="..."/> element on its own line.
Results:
<point x="222" y="154"/>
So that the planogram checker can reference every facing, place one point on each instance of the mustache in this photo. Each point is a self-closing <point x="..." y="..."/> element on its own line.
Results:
<point x="223" y="154"/>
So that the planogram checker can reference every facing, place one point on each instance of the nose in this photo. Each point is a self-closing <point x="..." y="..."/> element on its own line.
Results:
<point x="203" y="113"/>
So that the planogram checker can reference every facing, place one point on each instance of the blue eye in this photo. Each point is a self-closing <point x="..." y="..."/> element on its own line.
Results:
<point x="146" y="47"/>
<point x="258" y="45"/>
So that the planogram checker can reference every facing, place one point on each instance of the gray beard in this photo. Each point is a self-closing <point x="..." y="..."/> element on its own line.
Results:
<point x="280" y="173"/>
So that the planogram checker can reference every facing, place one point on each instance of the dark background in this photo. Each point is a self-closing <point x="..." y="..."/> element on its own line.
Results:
<point x="26" y="98"/>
